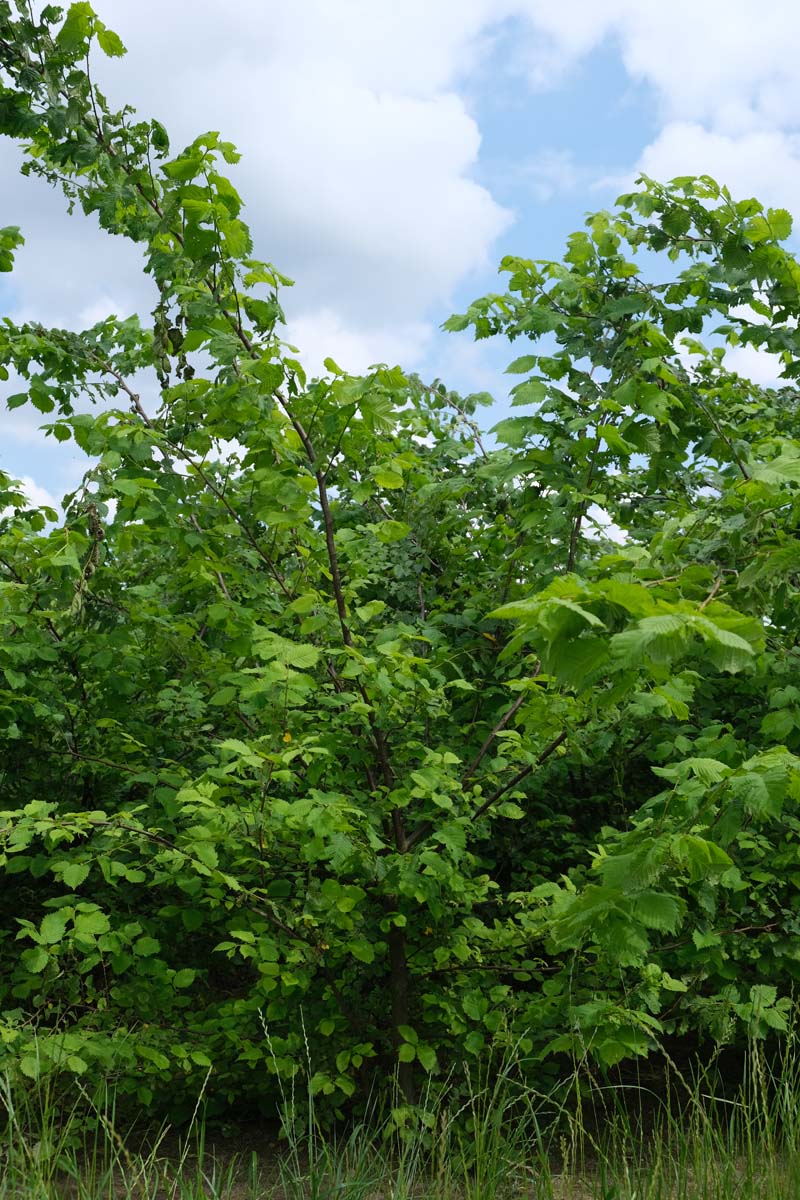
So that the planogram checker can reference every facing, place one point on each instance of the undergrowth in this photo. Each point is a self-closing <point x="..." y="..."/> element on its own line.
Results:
<point x="494" y="1137"/>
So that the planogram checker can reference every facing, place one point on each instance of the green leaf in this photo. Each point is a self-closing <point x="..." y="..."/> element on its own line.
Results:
<point x="91" y="923"/>
<point x="521" y="366"/>
<point x="407" y="1053"/>
<point x="74" y="874"/>
<point x="387" y="477"/>
<point x="110" y="43"/>
<point x="659" y="639"/>
<point x="391" y="531"/>
<point x="427" y="1057"/>
<point x="183" y="169"/>
<point x="510" y="810"/>
<point x="780" y="222"/>
<point x="362" y="950"/>
<point x="615" y="441"/>
<point x="514" y="430"/>
<point x="35" y="960"/>
<point x="205" y="853"/>
<point x="456" y="323"/>
<point x="759" y="799"/>
<point x="146" y="947"/>
<point x="53" y="928"/>
<point x="77" y="28"/>
<point x="29" y="1065"/>
<point x="657" y="910"/>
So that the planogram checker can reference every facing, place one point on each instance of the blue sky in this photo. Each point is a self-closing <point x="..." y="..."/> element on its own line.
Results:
<point x="393" y="153"/>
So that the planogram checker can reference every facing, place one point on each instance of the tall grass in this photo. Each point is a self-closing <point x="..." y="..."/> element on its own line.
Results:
<point x="496" y="1137"/>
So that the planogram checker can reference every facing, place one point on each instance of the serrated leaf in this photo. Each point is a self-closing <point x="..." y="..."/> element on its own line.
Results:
<point x="110" y="43"/>
<point x="74" y="874"/>
<point x="35" y="959"/>
<point x="53" y="928"/>
<point x="78" y="26"/>
<point x="29" y="1066"/>
<point x="657" y="910"/>
<point x="91" y="923"/>
<point x="521" y="366"/>
<point x="387" y="477"/>
<point x="392" y="531"/>
<point x="456" y="323"/>
<point x="146" y="947"/>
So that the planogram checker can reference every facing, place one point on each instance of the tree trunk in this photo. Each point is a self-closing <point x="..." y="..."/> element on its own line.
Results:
<point x="399" y="990"/>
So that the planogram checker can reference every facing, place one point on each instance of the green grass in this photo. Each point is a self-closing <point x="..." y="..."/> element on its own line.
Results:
<point x="500" y="1139"/>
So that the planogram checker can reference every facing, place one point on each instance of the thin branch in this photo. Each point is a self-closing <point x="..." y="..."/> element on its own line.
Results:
<point x="160" y="840"/>
<point x="104" y="762"/>
<point x="427" y="827"/>
<point x="218" y="574"/>
<point x="712" y="593"/>
<point x="523" y="774"/>
<point x="501" y="724"/>
<point x="721" y="433"/>
<point x="204" y="478"/>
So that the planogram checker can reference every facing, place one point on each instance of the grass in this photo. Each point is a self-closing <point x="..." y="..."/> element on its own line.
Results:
<point x="500" y="1140"/>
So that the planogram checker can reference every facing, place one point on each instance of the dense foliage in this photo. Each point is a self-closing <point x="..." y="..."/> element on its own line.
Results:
<point x="332" y="735"/>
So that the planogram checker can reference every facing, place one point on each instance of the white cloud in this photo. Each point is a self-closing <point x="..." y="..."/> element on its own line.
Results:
<point x="67" y="263"/>
<point x="722" y="74"/>
<point x="38" y="495"/>
<point x="357" y="170"/>
<point x="551" y="173"/>
<point x="322" y="334"/>
<point x="765" y="164"/>
<point x="360" y="146"/>
<point x="601" y="525"/>
<point x="357" y="148"/>
<point x="757" y="365"/>
<point x="717" y="62"/>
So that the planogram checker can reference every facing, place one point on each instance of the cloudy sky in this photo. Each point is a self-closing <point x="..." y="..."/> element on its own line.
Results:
<point x="393" y="152"/>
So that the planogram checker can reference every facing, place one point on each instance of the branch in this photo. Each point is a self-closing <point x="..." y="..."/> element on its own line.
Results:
<point x="160" y="840"/>
<point x="578" y="522"/>
<point x="12" y="571"/>
<point x="721" y="433"/>
<point x="712" y="593"/>
<point x="206" y="481"/>
<point x="501" y="724"/>
<point x="427" y="827"/>
<point x="523" y="774"/>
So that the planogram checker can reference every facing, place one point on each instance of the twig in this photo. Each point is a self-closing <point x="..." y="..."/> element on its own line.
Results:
<point x="712" y="593"/>
<point x="427" y="827"/>
<point x="501" y="724"/>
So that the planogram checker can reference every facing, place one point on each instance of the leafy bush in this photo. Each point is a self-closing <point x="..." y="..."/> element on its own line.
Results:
<point x="320" y="715"/>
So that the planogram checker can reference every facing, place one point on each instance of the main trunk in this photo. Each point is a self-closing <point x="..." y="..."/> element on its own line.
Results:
<point x="399" y="989"/>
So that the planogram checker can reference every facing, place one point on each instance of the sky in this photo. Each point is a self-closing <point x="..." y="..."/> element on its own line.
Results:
<point x="394" y="152"/>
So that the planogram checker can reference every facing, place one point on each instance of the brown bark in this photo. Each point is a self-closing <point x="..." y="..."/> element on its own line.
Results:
<point x="399" y="987"/>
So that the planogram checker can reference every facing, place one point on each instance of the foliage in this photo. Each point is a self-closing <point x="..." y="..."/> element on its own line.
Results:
<point x="504" y="1140"/>
<point x="320" y="716"/>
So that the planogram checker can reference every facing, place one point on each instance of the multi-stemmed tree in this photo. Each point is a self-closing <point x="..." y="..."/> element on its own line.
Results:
<point x="332" y="732"/>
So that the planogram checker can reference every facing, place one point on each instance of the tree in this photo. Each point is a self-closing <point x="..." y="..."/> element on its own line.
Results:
<point x="315" y="708"/>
